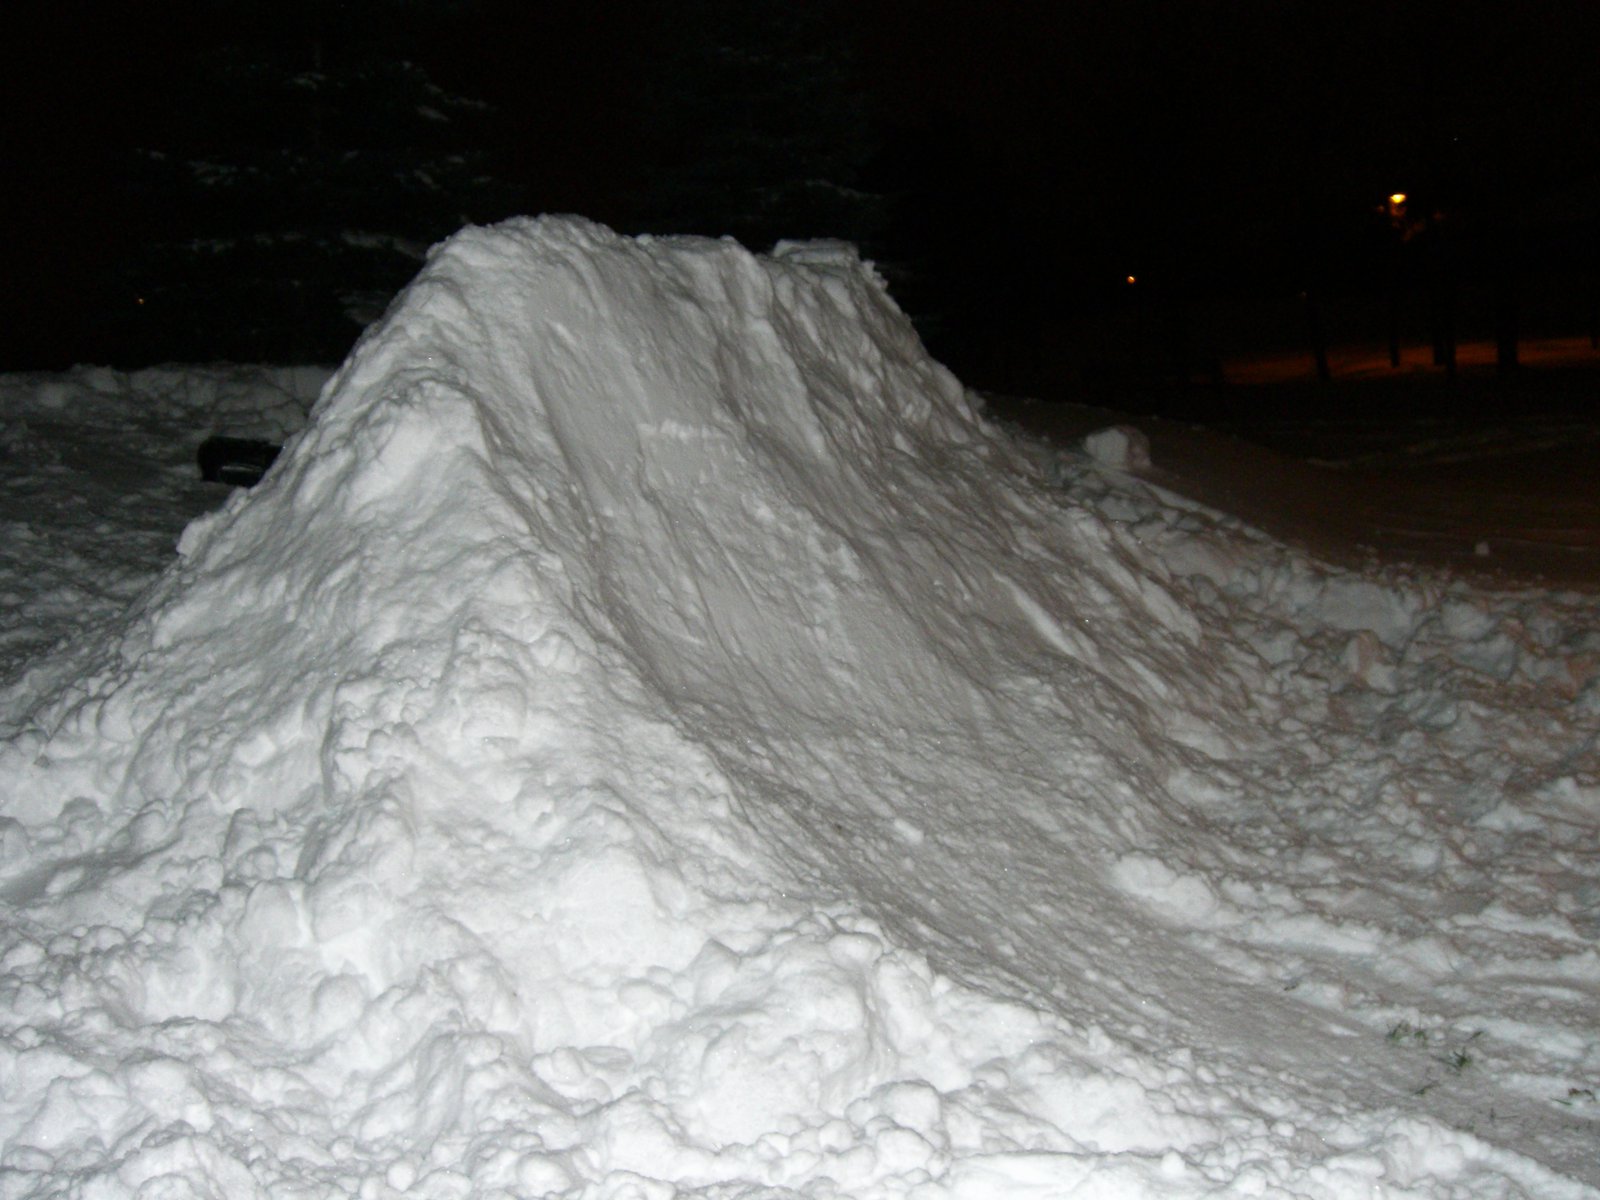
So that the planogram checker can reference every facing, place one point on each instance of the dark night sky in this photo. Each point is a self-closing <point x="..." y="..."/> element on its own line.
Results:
<point x="1034" y="152"/>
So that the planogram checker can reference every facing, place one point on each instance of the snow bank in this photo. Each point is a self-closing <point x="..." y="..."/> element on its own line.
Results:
<point x="246" y="401"/>
<point x="99" y="473"/>
<point x="647" y="737"/>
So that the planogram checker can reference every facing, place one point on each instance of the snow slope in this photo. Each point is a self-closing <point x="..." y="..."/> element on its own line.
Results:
<point x="650" y="737"/>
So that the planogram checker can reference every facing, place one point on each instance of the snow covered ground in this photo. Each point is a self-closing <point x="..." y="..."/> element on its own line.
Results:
<point x="649" y="736"/>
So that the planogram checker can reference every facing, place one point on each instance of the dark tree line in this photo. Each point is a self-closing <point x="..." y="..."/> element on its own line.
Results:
<point x="755" y="123"/>
<point x="211" y="179"/>
<point x="258" y="179"/>
<point x="292" y="177"/>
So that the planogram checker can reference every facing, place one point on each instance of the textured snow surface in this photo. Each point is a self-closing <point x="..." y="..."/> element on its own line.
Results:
<point x="650" y="737"/>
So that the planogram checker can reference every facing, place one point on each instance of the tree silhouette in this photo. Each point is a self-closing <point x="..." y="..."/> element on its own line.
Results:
<point x="756" y="125"/>
<point x="303" y="166"/>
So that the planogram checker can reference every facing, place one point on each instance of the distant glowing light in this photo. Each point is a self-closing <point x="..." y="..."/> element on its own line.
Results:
<point x="1397" y="199"/>
<point x="1131" y="279"/>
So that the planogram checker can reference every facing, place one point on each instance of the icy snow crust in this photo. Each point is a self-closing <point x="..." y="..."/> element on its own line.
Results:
<point x="649" y="737"/>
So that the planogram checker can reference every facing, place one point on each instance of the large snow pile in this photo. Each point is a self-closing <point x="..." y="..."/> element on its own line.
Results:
<point x="650" y="737"/>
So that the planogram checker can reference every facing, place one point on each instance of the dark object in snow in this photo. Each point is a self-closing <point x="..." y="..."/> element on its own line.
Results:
<point x="240" y="462"/>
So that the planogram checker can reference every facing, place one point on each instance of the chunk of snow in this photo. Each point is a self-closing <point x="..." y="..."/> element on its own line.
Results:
<point x="1122" y="447"/>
